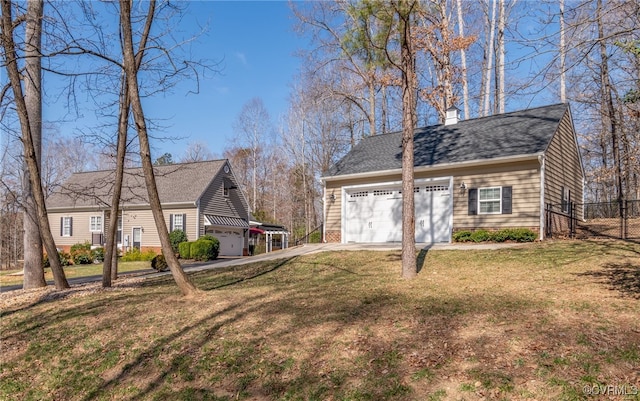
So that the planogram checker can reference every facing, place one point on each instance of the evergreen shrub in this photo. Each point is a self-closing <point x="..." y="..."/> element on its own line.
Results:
<point x="184" y="248"/>
<point x="177" y="237"/>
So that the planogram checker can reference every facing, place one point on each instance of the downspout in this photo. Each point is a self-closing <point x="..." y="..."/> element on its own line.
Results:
<point x="324" y="212"/>
<point x="197" y="219"/>
<point x="541" y="160"/>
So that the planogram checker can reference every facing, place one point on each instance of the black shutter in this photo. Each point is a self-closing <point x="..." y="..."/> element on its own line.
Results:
<point x="184" y="223"/>
<point x="71" y="226"/>
<point x="170" y="223"/>
<point x="473" y="201"/>
<point x="61" y="226"/>
<point x="506" y="200"/>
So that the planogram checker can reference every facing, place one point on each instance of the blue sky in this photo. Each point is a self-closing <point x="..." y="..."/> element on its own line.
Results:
<point x="256" y="43"/>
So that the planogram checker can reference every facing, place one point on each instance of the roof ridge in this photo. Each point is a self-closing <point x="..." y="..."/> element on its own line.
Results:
<point x="470" y="120"/>
<point x="140" y="167"/>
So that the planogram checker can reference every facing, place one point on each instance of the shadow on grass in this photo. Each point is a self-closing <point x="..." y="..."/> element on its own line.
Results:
<point x="154" y="351"/>
<point x="620" y="277"/>
<point x="303" y="329"/>
<point x="253" y="274"/>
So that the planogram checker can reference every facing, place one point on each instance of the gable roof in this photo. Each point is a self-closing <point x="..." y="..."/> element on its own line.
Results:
<point x="525" y="132"/>
<point x="177" y="183"/>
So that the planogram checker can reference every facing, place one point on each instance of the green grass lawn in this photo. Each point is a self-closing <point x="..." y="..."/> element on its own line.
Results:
<point x="539" y="322"/>
<point x="8" y="277"/>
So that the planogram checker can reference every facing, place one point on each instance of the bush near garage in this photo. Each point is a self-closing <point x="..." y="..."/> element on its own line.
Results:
<point x="184" y="249"/>
<point x="504" y="235"/>
<point x="205" y="248"/>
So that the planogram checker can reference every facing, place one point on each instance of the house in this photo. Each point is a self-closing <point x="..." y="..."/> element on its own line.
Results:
<point x="491" y="173"/>
<point x="198" y="198"/>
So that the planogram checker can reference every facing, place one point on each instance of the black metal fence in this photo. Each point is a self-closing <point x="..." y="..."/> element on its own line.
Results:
<point x="314" y="237"/>
<point x="594" y="220"/>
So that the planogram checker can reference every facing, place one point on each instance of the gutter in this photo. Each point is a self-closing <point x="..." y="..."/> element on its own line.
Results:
<point x="61" y="209"/>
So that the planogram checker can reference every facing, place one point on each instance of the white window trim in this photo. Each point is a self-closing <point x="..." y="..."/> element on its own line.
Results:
<point x="92" y="224"/>
<point x="66" y="226"/>
<point x="490" y="200"/>
<point x="564" y="200"/>
<point x="225" y="190"/>
<point x="175" y="226"/>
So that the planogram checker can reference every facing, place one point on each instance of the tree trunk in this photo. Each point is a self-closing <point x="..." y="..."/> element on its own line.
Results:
<point x="33" y="269"/>
<point x="11" y="63"/>
<point x="181" y="279"/>
<point x="609" y="113"/>
<point x="372" y="104"/>
<point x="463" y="63"/>
<point x="563" y="56"/>
<point x="489" y="55"/>
<point x="408" y="59"/>
<point x="110" y="263"/>
<point x="500" y="58"/>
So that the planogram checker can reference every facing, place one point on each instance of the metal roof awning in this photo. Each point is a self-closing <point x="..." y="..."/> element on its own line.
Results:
<point x="215" y="220"/>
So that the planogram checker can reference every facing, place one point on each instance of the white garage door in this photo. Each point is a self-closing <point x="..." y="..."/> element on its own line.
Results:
<point x="231" y="241"/>
<point x="375" y="214"/>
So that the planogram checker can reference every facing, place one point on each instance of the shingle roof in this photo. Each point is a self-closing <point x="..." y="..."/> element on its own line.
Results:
<point x="177" y="183"/>
<point x="524" y="132"/>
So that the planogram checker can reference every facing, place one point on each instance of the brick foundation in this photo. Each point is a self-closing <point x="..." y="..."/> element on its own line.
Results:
<point x="332" y="236"/>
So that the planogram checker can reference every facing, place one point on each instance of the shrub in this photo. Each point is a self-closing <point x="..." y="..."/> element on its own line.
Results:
<point x="135" y="255"/>
<point x="315" y="237"/>
<point x="177" y="237"/>
<point x="208" y="237"/>
<point x="522" y="235"/>
<point x="507" y="234"/>
<point x="81" y="253"/>
<point x="204" y="249"/>
<point x="216" y="245"/>
<point x="462" y="236"/>
<point x="480" y="236"/>
<point x="65" y="259"/>
<point x="500" y="236"/>
<point x="98" y="254"/>
<point x="185" y="250"/>
<point x="159" y="263"/>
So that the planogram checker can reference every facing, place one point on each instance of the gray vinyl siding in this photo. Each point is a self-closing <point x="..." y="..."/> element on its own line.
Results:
<point x="213" y="200"/>
<point x="563" y="166"/>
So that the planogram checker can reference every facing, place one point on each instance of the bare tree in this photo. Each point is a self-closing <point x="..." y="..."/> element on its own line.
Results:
<point x="196" y="151"/>
<point x="10" y="58"/>
<point x="488" y="60"/>
<point x="463" y="62"/>
<point x="253" y="124"/>
<point x="33" y="268"/>
<point x="131" y="74"/>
